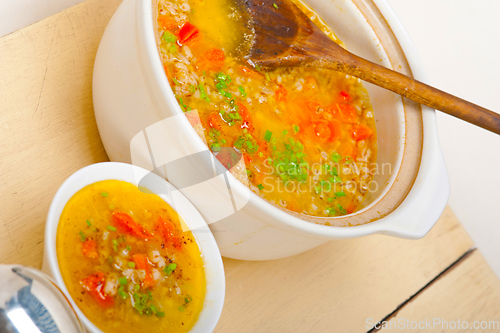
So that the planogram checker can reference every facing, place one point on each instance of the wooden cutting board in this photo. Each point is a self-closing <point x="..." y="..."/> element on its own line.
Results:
<point x="48" y="131"/>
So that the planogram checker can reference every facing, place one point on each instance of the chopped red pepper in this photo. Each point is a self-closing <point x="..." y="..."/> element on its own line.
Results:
<point x="167" y="232"/>
<point x="188" y="32"/>
<point x="345" y="96"/>
<point x="344" y="112"/>
<point x="94" y="284"/>
<point x="335" y="129"/>
<point x="89" y="248"/>
<point x="127" y="225"/>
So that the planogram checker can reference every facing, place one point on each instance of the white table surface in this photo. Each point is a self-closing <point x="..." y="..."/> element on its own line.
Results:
<point x="459" y="43"/>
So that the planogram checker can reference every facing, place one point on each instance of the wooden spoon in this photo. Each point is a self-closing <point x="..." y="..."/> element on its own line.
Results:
<point x="286" y="37"/>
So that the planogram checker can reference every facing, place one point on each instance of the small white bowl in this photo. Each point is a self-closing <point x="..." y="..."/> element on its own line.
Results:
<point x="214" y="270"/>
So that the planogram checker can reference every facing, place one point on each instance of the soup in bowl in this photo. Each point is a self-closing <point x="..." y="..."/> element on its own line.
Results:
<point x="145" y="104"/>
<point x="127" y="259"/>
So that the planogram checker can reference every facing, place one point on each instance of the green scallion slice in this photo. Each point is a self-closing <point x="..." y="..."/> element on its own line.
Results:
<point x="268" y="135"/>
<point x="170" y="268"/>
<point x="242" y="91"/>
<point x="169" y="37"/>
<point x="336" y="157"/>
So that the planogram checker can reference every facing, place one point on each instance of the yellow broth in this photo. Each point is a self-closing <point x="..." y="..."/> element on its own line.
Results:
<point x="139" y="273"/>
<point x="307" y="135"/>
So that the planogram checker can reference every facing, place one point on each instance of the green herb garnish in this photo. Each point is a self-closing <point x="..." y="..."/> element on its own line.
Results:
<point x="268" y="135"/>
<point x="170" y="268"/>
<point x="242" y="91"/>
<point x="104" y="194"/>
<point x="260" y="187"/>
<point x="336" y="157"/>
<point x="83" y="237"/>
<point x="111" y="228"/>
<point x="169" y="37"/>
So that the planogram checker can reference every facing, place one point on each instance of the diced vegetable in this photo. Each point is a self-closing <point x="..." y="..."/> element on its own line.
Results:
<point x="141" y="262"/>
<point x="168" y="233"/>
<point x="89" y="249"/>
<point x="361" y="132"/>
<point x="188" y="32"/>
<point x="127" y="225"/>
<point x="94" y="284"/>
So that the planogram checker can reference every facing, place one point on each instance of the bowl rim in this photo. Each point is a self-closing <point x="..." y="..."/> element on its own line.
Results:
<point x="212" y="260"/>
<point x="431" y="171"/>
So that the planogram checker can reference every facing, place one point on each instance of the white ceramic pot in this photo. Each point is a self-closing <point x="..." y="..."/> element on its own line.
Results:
<point x="136" y="110"/>
<point x="214" y="270"/>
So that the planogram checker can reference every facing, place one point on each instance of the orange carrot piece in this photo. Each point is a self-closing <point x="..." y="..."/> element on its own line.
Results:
<point x="212" y="60"/>
<point x="127" y="225"/>
<point x="351" y="207"/>
<point x="245" y="116"/>
<point x="89" y="248"/>
<point x="141" y="262"/>
<point x="323" y="131"/>
<point x="167" y="22"/>
<point x="249" y="72"/>
<point x="345" y="113"/>
<point x="214" y="120"/>
<point x="335" y="129"/>
<point x="94" y="284"/>
<point x="360" y="132"/>
<point x="348" y="151"/>
<point x="281" y="94"/>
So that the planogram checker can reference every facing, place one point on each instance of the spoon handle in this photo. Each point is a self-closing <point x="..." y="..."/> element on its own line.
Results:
<point x="417" y="91"/>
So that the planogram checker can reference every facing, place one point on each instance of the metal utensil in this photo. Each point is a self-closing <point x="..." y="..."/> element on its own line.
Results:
<point x="30" y="302"/>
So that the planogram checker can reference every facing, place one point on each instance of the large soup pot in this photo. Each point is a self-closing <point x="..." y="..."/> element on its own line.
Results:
<point x="140" y="122"/>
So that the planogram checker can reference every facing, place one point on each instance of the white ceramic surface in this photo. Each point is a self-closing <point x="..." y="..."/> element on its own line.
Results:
<point x="214" y="270"/>
<point x="131" y="93"/>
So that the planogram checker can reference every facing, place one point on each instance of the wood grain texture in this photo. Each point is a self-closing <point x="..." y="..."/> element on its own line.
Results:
<point x="337" y="286"/>
<point x="473" y="291"/>
<point x="49" y="131"/>
<point x="48" y="126"/>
